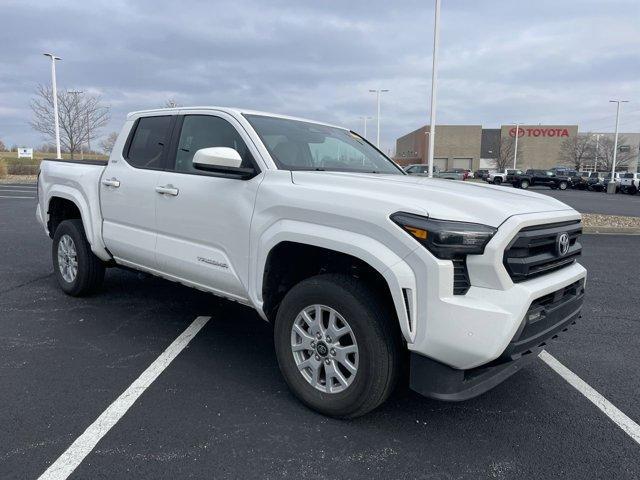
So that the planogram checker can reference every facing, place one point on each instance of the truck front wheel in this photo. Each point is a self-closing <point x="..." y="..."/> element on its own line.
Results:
<point x="497" y="181"/>
<point x="524" y="184"/>
<point x="337" y="345"/>
<point x="78" y="271"/>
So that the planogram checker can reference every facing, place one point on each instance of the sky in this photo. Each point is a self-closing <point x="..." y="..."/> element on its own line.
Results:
<point x="549" y="62"/>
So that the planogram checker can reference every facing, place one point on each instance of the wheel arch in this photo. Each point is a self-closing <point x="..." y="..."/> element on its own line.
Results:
<point x="65" y="203"/>
<point x="302" y="243"/>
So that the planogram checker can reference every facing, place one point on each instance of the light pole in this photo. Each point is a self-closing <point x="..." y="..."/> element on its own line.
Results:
<point x="75" y="93"/>
<point x="434" y="70"/>
<point x="55" y="100"/>
<point x="515" y="149"/>
<point x="615" y="146"/>
<point x="595" y="161"/>
<point x="365" y="118"/>
<point x="378" y="92"/>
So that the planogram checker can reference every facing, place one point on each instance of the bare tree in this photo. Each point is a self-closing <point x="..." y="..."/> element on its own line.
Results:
<point x="577" y="149"/>
<point x="107" y="144"/>
<point x="171" y="103"/>
<point x="605" y="153"/>
<point x="80" y="117"/>
<point x="2" y="146"/>
<point x="504" y="159"/>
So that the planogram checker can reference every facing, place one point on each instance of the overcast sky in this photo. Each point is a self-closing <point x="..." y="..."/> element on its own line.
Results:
<point x="500" y="61"/>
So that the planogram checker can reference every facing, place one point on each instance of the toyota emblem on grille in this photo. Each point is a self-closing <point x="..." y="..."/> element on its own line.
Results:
<point x="562" y="244"/>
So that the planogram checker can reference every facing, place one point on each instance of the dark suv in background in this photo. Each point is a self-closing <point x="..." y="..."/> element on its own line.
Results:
<point x="545" y="178"/>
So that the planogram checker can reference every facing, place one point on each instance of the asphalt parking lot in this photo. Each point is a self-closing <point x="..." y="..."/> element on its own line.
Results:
<point x="594" y="202"/>
<point x="221" y="409"/>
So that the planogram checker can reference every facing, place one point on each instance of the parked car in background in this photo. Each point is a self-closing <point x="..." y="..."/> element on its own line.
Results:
<point x="417" y="169"/>
<point x="594" y="182"/>
<point x="582" y="182"/>
<point x="545" y="178"/>
<point x="630" y="183"/>
<point x="607" y="179"/>
<point x="498" y="178"/>
<point x="575" y="178"/>
<point x="450" y="175"/>
<point x="466" y="173"/>
<point x="457" y="285"/>
<point x="481" y="173"/>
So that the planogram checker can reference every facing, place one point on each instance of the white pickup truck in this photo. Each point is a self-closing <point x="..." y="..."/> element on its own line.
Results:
<point x="630" y="182"/>
<point x="365" y="272"/>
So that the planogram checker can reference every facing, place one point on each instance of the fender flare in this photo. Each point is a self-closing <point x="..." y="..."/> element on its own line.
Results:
<point x="398" y="275"/>
<point x="91" y="219"/>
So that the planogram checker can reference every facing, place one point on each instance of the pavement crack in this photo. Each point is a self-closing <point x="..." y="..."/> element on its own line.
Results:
<point x="24" y="284"/>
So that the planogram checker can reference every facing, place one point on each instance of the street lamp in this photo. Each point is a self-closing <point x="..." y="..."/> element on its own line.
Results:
<point x="615" y="146"/>
<point x="378" y="92"/>
<point x="55" y="99"/>
<point x="365" y="118"/>
<point x="432" y="121"/>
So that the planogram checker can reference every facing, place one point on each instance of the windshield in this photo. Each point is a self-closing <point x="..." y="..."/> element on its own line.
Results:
<point x="297" y="145"/>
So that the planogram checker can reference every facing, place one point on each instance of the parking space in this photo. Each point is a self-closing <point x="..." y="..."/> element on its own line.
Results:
<point x="17" y="190"/>
<point x="222" y="410"/>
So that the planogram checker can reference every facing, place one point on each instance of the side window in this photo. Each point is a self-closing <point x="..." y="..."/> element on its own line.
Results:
<point x="149" y="141"/>
<point x="203" y="131"/>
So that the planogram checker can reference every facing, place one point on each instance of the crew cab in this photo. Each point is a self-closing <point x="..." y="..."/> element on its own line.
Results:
<point x="630" y="183"/>
<point x="546" y="178"/>
<point x="364" y="271"/>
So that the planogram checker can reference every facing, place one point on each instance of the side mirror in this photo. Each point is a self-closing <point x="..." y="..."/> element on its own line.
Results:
<point x="222" y="160"/>
<point x="217" y="157"/>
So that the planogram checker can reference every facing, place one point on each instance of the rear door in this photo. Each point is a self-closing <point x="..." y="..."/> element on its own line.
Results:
<point x="127" y="192"/>
<point x="203" y="228"/>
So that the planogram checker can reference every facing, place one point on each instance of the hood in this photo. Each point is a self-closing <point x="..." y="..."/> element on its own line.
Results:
<point x="438" y="198"/>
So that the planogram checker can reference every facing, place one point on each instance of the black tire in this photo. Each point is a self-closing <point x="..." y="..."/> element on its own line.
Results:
<point x="524" y="184"/>
<point x="497" y="181"/>
<point x="90" y="273"/>
<point x="563" y="185"/>
<point x="377" y="335"/>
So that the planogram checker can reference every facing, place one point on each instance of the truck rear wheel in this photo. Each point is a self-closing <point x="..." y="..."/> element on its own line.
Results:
<point x="524" y="184"/>
<point x="337" y="346"/>
<point x="78" y="271"/>
<point x="497" y="181"/>
<point x="563" y="185"/>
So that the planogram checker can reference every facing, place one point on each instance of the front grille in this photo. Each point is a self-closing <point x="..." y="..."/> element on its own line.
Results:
<point x="461" y="281"/>
<point x="533" y="251"/>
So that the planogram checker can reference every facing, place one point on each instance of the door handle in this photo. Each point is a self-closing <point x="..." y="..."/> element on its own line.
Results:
<point x="111" y="182"/>
<point x="167" y="190"/>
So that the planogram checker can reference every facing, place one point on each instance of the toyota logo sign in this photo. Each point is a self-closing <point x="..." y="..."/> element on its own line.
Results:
<point x="562" y="244"/>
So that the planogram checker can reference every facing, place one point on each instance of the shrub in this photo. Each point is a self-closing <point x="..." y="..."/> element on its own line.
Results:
<point x="3" y="169"/>
<point x="23" y="169"/>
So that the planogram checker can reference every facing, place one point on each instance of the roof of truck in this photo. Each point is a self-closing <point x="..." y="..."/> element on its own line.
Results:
<point x="230" y="110"/>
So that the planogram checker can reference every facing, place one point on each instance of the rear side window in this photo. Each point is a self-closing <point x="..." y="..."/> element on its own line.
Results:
<point x="203" y="131"/>
<point x="150" y="141"/>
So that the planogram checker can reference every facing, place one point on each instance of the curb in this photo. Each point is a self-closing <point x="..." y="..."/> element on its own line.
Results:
<point x="610" y="231"/>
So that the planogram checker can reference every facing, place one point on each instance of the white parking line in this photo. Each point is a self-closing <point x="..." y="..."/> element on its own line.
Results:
<point x="18" y="186"/>
<point x="85" y="443"/>
<point x="630" y="427"/>
<point x="3" y="190"/>
<point x="13" y="196"/>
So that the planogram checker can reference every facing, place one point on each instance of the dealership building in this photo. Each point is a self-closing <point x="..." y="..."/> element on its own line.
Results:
<point x="474" y="147"/>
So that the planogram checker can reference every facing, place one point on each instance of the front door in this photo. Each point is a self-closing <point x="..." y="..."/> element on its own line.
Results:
<point x="127" y="192"/>
<point x="204" y="218"/>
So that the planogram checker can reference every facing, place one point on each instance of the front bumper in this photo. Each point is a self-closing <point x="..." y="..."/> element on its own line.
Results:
<point x="544" y="320"/>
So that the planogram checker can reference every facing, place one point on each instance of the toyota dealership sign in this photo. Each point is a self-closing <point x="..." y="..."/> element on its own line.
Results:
<point x="539" y="132"/>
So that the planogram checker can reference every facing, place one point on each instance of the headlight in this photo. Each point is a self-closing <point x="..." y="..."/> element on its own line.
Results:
<point x="446" y="239"/>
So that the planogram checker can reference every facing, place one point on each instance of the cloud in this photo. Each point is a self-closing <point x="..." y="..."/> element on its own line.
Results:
<point x="535" y="62"/>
